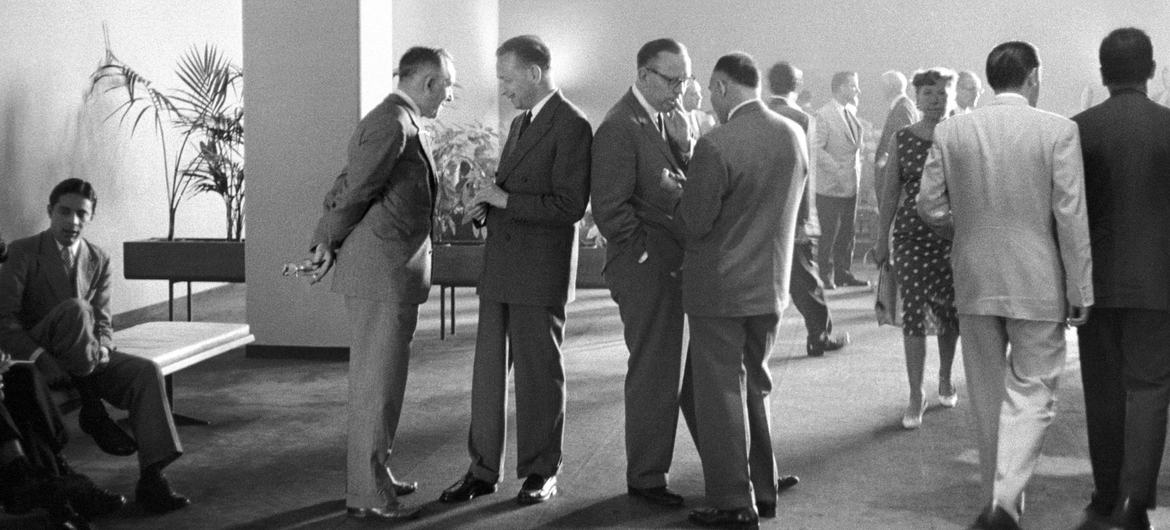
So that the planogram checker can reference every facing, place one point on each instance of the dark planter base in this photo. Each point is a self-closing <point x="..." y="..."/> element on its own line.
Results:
<point x="184" y="260"/>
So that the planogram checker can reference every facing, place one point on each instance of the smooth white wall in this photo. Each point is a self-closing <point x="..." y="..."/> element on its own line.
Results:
<point x="302" y="60"/>
<point x="47" y="134"/>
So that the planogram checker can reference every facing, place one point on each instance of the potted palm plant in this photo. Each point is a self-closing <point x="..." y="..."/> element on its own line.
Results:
<point x="466" y="157"/>
<point x="200" y="131"/>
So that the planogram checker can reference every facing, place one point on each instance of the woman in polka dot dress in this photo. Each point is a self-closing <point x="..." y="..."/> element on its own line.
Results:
<point x="921" y="257"/>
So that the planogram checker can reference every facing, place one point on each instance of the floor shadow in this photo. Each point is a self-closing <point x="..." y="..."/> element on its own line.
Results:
<point x="300" y="517"/>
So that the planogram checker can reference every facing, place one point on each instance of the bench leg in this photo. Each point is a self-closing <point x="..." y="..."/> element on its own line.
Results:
<point x="180" y="419"/>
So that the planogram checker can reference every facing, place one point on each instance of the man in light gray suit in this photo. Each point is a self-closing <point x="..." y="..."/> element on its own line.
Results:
<point x="836" y="145"/>
<point x="739" y="209"/>
<point x="377" y="226"/>
<point x="1010" y="181"/>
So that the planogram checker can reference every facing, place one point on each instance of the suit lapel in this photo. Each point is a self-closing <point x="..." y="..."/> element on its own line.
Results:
<point x="522" y="145"/>
<point x="87" y="265"/>
<point x="650" y="129"/>
<point x="59" y="281"/>
<point x="424" y="145"/>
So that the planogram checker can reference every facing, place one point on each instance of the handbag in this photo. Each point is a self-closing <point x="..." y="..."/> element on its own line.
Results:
<point x="887" y="306"/>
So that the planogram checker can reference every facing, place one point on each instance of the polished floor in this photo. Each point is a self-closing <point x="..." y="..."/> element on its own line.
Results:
<point x="273" y="456"/>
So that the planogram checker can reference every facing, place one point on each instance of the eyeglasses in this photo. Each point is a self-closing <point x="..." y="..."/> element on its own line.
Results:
<point x="674" y="82"/>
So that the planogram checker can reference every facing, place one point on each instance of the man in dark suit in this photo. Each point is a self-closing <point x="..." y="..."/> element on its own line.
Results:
<point x="808" y="293"/>
<point x="1125" y="357"/>
<point x="377" y="227"/>
<point x="746" y="181"/>
<point x="530" y="264"/>
<point x="54" y="309"/>
<point x="902" y="113"/>
<point x="632" y="154"/>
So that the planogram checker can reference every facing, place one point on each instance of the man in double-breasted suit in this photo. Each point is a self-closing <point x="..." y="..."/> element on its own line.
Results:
<point x="739" y="208"/>
<point x="377" y="226"/>
<point x="1010" y="176"/>
<point x="530" y="263"/>
<point x="55" y="310"/>
<point x="836" y="145"/>
<point x="632" y="154"/>
<point x="1125" y="347"/>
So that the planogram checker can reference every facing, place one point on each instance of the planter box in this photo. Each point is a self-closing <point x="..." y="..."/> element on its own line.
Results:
<point x="184" y="260"/>
<point x="456" y="265"/>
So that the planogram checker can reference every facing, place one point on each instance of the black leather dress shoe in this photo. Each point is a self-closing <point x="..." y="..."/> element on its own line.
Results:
<point x="787" y="482"/>
<point x="661" y="495"/>
<point x="108" y="435"/>
<point x="817" y="346"/>
<point x="467" y="488"/>
<point x="92" y="501"/>
<point x="852" y="281"/>
<point x="391" y="512"/>
<point x="994" y="517"/>
<point x="1132" y="516"/>
<point x="537" y="489"/>
<point x="154" y="494"/>
<point x="736" y="518"/>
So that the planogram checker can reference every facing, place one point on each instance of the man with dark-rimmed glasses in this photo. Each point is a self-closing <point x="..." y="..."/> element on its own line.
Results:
<point x="636" y="182"/>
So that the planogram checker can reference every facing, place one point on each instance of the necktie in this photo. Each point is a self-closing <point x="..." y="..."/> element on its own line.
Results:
<point x="661" y="127"/>
<point x="854" y="127"/>
<point x="525" y="123"/>
<point x="70" y="266"/>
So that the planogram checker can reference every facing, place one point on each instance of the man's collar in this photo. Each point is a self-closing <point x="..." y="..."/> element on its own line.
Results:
<point x="540" y="104"/>
<point x="837" y="105"/>
<point x="1010" y="98"/>
<point x="645" y="104"/>
<point x="410" y="104"/>
<point x="786" y="102"/>
<point x="72" y="248"/>
<point x="731" y="113"/>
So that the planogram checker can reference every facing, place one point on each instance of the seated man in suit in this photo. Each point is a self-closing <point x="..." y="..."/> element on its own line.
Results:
<point x="54" y="309"/>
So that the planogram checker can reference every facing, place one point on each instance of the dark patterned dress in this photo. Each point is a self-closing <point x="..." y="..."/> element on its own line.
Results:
<point x="922" y="259"/>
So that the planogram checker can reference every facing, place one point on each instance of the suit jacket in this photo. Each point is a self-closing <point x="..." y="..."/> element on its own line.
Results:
<point x="530" y="256"/>
<point x="632" y="208"/>
<point x="808" y="225"/>
<point x="378" y="214"/>
<point x="35" y="280"/>
<point x="837" y="152"/>
<point x="739" y="207"/>
<point x="1012" y="178"/>
<point x="1126" y="145"/>
<point x="902" y="114"/>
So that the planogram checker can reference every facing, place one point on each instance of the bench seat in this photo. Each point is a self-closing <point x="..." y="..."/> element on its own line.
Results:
<point x="178" y="345"/>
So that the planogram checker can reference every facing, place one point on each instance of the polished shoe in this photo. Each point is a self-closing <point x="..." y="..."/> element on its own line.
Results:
<point x="994" y="517"/>
<point x="735" y="518"/>
<point x="826" y="342"/>
<point x="91" y="501"/>
<point x="110" y="438"/>
<point x="154" y="494"/>
<point x="912" y="417"/>
<point x="1131" y="516"/>
<point x="787" y="482"/>
<point x="660" y="495"/>
<point x="467" y="488"/>
<point x="852" y="281"/>
<point x="391" y="512"/>
<point x="537" y="489"/>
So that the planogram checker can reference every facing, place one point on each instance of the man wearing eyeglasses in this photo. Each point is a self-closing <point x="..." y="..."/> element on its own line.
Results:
<point x="632" y="160"/>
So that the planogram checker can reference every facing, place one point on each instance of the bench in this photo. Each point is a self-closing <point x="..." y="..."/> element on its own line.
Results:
<point x="174" y="346"/>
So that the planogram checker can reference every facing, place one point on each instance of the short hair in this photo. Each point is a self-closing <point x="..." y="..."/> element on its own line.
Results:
<point x="741" y="68"/>
<point x="419" y="58"/>
<point x="651" y="49"/>
<point x="74" y="186"/>
<point x="528" y="49"/>
<point x="1127" y="56"/>
<point x="782" y="78"/>
<point x="894" y="78"/>
<point x="840" y="78"/>
<point x="970" y="75"/>
<point x="1009" y="64"/>
<point x="931" y="76"/>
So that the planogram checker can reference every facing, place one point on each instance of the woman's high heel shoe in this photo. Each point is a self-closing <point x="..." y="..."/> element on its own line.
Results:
<point x="948" y="400"/>
<point x="912" y="418"/>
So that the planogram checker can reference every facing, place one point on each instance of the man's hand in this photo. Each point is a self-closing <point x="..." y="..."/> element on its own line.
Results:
<point x="103" y="357"/>
<point x="1077" y="315"/>
<point x="880" y="252"/>
<point x="478" y="213"/>
<point x="493" y="195"/>
<point x="671" y="181"/>
<point x="322" y="261"/>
